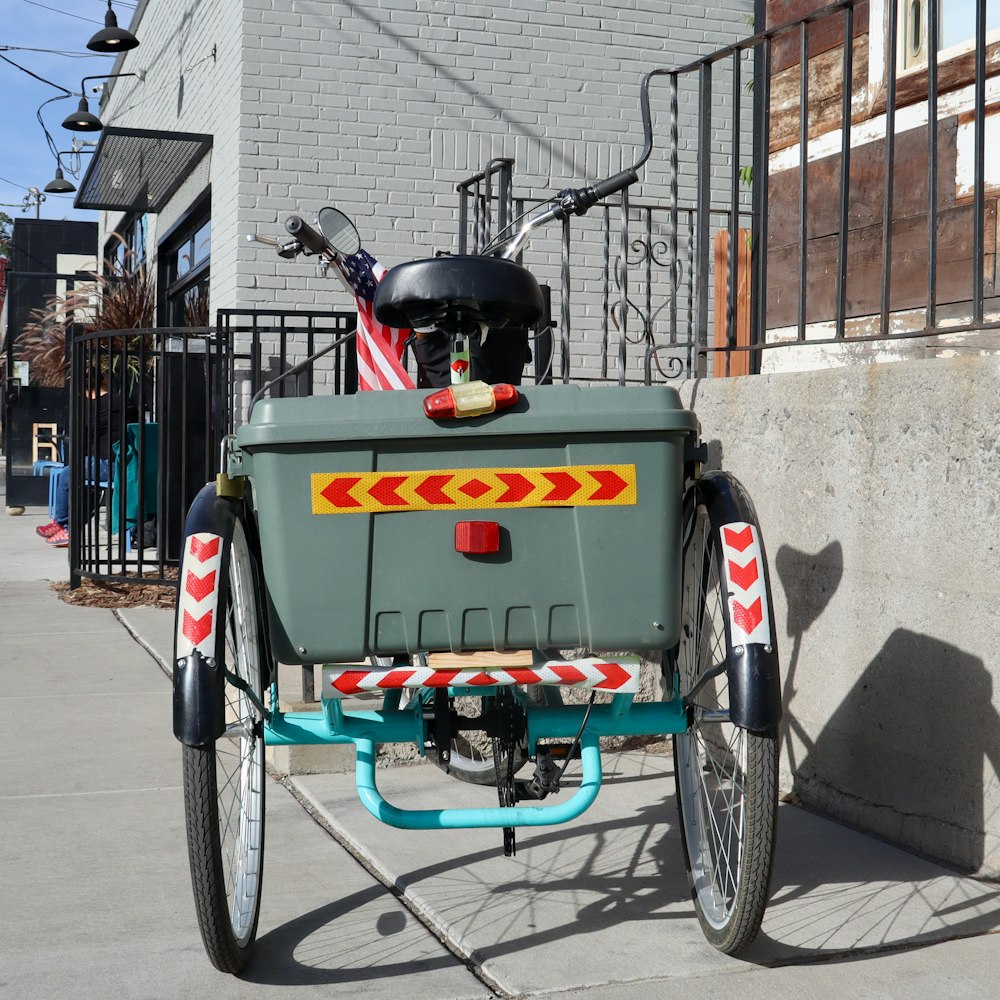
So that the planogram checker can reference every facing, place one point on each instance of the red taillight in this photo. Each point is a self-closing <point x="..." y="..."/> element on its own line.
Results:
<point x="477" y="537"/>
<point x="504" y="394"/>
<point x="473" y="399"/>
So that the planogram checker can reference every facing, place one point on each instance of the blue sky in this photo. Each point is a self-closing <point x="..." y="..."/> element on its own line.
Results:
<point x="25" y="159"/>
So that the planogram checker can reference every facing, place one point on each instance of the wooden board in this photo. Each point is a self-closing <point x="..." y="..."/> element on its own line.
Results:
<point x="864" y="269"/>
<point x="825" y="109"/>
<point x="488" y="658"/>
<point x="824" y="35"/>
<point x="866" y="190"/>
<point x="736" y="362"/>
<point x="958" y="71"/>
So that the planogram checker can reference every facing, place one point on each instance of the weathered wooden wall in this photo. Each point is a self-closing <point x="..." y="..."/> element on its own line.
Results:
<point x="867" y="183"/>
<point x="824" y="35"/>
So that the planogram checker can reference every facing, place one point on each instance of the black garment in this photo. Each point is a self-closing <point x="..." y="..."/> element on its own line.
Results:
<point x="107" y="417"/>
<point x="500" y="359"/>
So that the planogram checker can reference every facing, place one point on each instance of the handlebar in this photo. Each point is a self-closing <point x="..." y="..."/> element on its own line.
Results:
<point x="614" y="184"/>
<point x="312" y="240"/>
<point x="572" y="201"/>
<point x="577" y="201"/>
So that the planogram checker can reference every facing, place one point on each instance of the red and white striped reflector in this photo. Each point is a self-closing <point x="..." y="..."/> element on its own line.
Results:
<point x="197" y="600"/>
<point x="621" y="676"/>
<point x="745" y="584"/>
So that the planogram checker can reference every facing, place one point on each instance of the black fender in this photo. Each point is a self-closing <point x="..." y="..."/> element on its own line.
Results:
<point x="198" y="677"/>
<point x="753" y="668"/>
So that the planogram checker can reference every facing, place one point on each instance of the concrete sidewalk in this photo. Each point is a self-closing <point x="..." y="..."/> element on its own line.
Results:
<point x="97" y="898"/>
<point x="95" y="895"/>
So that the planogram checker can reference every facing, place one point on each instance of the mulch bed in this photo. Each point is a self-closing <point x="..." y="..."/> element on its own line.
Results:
<point x="99" y="594"/>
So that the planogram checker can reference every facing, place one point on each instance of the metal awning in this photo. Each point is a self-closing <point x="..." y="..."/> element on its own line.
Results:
<point x="138" y="170"/>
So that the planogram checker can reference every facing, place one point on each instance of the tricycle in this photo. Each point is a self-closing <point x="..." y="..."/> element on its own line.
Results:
<point x="445" y="552"/>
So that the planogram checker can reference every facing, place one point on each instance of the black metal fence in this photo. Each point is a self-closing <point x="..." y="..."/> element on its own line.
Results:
<point x="636" y="263"/>
<point x="853" y="204"/>
<point x="149" y="411"/>
<point x="846" y="204"/>
<point x="271" y="347"/>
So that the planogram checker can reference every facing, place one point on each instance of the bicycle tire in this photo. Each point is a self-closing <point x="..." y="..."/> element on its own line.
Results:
<point x="726" y="776"/>
<point x="224" y="787"/>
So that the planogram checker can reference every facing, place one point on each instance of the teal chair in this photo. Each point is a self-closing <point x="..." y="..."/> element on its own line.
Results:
<point x="125" y="470"/>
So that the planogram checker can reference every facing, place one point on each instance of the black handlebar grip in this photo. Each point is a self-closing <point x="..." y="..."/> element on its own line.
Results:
<point x="305" y="234"/>
<point x="616" y="183"/>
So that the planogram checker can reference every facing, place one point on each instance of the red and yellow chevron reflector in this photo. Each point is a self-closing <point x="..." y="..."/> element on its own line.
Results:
<point x="474" y="489"/>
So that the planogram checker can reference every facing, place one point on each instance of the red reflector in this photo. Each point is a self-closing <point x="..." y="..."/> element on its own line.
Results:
<point x="505" y="395"/>
<point x="440" y="405"/>
<point x="477" y="537"/>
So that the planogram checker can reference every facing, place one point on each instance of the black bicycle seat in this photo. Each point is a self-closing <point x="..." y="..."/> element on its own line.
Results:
<point x="447" y="292"/>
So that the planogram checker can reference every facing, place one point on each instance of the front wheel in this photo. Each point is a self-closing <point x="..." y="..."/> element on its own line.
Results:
<point x="224" y="780"/>
<point x="726" y="776"/>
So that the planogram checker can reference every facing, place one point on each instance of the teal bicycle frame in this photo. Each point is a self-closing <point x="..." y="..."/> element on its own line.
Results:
<point x="391" y="724"/>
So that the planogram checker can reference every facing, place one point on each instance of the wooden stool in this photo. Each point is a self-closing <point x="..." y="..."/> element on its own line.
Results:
<point x="50" y="449"/>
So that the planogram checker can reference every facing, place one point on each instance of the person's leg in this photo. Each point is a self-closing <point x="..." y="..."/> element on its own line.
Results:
<point x="60" y="513"/>
<point x="500" y="359"/>
<point x="504" y="355"/>
<point x="433" y="361"/>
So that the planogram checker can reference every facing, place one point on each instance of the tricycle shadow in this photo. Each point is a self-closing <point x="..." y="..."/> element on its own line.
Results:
<point x="336" y="943"/>
<point x="610" y="873"/>
<point x="836" y="894"/>
<point x="839" y="894"/>
<point x="903" y="753"/>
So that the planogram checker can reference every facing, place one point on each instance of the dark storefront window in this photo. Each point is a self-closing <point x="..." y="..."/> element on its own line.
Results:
<point x="126" y="250"/>
<point x="186" y="255"/>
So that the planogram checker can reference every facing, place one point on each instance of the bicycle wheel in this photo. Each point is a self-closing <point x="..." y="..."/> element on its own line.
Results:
<point x="224" y="781"/>
<point x="471" y="753"/>
<point x="726" y="776"/>
<point x="471" y="757"/>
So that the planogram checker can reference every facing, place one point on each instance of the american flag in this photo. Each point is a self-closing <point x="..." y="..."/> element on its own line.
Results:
<point x="379" y="347"/>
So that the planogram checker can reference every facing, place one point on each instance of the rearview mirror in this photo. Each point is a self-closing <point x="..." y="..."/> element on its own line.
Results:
<point x="339" y="231"/>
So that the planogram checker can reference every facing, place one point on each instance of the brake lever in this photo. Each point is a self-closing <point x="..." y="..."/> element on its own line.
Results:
<point x="287" y="250"/>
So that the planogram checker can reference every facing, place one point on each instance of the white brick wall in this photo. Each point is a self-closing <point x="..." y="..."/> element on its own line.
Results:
<point x="382" y="106"/>
<point x="187" y="89"/>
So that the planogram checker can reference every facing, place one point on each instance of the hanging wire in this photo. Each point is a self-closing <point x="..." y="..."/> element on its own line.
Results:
<point x="53" y="148"/>
<point x="79" y="17"/>
<point x="65" y="13"/>
<point x="24" y="69"/>
<point x="23" y="187"/>
<point x="59" y="52"/>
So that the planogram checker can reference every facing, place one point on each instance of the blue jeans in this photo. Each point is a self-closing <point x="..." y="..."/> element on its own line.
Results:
<point x="61" y="512"/>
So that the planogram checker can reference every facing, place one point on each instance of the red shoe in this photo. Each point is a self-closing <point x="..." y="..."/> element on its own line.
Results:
<point x="47" y="530"/>
<point x="60" y="539"/>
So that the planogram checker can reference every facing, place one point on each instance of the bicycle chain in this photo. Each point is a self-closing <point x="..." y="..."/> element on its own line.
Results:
<point x="504" y="744"/>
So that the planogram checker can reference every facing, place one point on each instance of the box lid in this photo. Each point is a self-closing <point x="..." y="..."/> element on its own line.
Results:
<point x="550" y="409"/>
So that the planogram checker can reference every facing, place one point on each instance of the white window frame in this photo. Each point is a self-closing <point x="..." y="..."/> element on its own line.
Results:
<point x="911" y="45"/>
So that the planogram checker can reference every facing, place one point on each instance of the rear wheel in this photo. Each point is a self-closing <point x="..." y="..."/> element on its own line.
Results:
<point x="472" y="758"/>
<point x="224" y="781"/>
<point x="726" y="776"/>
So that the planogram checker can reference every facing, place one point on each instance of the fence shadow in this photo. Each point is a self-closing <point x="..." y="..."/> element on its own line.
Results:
<point x="903" y="753"/>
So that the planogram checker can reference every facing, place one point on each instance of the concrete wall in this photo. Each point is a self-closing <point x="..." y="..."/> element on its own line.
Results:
<point x="877" y="491"/>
